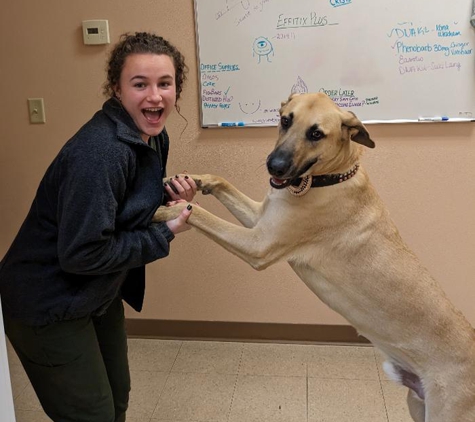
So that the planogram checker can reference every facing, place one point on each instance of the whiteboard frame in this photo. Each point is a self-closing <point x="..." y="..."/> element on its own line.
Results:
<point x="247" y="125"/>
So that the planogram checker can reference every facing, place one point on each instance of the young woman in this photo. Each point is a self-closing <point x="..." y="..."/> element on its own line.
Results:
<point x="88" y="235"/>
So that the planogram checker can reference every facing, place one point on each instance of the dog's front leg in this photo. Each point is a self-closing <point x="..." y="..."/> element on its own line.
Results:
<point x="256" y="246"/>
<point x="246" y="210"/>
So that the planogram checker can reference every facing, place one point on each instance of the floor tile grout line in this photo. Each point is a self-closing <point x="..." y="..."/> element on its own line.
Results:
<point x="235" y="383"/>
<point x="10" y="365"/>
<point x="307" y="379"/>
<point x="166" y="380"/>
<point x="381" y="385"/>
<point x="27" y="383"/>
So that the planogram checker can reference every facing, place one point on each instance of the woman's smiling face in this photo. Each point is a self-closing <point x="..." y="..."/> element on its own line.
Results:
<point x="147" y="91"/>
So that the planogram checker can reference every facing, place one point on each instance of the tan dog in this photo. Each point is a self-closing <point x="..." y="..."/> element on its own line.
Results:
<point x="340" y="240"/>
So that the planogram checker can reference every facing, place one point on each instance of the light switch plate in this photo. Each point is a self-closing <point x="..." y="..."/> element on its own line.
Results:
<point x="96" y="32"/>
<point x="36" y="108"/>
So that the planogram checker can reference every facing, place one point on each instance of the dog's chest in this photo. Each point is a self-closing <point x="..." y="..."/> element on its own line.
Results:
<point x="337" y="292"/>
<point x="325" y="289"/>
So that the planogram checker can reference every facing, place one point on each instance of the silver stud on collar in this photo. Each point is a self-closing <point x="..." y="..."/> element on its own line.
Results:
<point x="349" y="174"/>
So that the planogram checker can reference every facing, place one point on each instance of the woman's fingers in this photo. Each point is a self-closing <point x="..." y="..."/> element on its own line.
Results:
<point x="181" y="187"/>
<point x="179" y="224"/>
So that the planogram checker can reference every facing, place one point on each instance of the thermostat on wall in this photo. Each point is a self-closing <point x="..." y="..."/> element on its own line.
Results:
<point x="96" y="32"/>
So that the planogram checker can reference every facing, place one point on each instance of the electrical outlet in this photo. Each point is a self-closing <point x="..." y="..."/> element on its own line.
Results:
<point x="36" y="108"/>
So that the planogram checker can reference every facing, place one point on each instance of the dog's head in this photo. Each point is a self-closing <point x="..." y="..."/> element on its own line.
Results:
<point x="315" y="137"/>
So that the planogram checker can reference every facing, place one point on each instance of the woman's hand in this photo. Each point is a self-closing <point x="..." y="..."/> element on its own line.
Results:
<point x="179" y="224"/>
<point x="181" y="187"/>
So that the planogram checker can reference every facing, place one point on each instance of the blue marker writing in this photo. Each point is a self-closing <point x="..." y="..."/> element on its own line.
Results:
<point x="433" y="119"/>
<point x="230" y="124"/>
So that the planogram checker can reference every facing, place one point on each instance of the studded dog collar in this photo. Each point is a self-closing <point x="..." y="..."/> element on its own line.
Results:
<point x="301" y="185"/>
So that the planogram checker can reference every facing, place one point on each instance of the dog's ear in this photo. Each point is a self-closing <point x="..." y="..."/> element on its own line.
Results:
<point x="357" y="131"/>
<point x="285" y="102"/>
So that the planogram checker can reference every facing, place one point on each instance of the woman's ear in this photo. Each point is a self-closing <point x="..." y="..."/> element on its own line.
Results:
<point x="117" y="93"/>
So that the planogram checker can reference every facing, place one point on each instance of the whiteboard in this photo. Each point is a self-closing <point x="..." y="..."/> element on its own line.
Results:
<point x="385" y="60"/>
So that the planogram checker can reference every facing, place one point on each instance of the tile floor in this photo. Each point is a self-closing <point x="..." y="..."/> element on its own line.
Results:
<point x="191" y="381"/>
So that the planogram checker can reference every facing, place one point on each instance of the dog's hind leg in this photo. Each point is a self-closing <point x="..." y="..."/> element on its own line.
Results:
<point x="416" y="406"/>
<point x="455" y="402"/>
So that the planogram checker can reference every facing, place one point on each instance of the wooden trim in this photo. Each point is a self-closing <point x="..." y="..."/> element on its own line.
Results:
<point x="242" y="331"/>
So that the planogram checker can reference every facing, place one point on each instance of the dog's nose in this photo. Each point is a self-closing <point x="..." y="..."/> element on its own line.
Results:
<point x="278" y="163"/>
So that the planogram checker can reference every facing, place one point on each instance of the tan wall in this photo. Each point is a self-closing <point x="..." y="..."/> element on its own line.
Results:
<point x="425" y="173"/>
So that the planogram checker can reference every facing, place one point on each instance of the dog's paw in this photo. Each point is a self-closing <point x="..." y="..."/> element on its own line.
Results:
<point x="199" y="184"/>
<point x="205" y="189"/>
<point x="165" y="213"/>
<point x="206" y="183"/>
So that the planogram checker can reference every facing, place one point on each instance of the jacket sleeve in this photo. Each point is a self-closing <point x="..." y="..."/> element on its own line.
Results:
<point x="92" y="185"/>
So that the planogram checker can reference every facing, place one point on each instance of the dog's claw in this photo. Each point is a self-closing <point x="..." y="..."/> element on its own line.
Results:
<point x="199" y="185"/>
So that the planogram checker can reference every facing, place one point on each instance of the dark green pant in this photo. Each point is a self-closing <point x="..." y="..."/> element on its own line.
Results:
<point x="79" y="368"/>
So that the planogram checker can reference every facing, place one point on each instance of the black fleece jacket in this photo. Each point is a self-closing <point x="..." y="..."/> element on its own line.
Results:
<point x="88" y="233"/>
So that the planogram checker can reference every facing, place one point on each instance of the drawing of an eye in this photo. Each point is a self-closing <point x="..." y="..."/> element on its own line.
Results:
<point x="262" y="47"/>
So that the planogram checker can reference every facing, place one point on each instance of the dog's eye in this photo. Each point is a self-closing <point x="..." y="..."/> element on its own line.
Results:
<point x="284" y="122"/>
<point x="315" y="135"/>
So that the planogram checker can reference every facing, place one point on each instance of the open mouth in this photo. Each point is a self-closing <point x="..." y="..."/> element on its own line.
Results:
<point x="152" y="115"/>
<point x="283" y="183"/>
<point x="279" y="183"/>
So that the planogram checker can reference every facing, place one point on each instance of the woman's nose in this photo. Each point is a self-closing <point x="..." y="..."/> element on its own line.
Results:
<point x="154" y="95"/>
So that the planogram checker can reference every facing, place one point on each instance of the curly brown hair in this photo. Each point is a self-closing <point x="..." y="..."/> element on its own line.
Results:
<point x="142" y="42"/>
